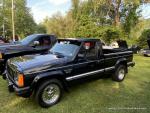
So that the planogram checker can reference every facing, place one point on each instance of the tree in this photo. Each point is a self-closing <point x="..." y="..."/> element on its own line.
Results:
<point x="57" y="24"/>
<point x="106" y="19"/>
<point x="142" y="41"/>
<point x="131" y="18"/>
<point x="41" y="28"/>
<point x="24" y="23"/>
<point x="75" y="8"/>
<point x="85" y="27"/>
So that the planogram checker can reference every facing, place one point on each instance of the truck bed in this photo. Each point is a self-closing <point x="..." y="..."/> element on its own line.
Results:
<point x="113" y="50"/>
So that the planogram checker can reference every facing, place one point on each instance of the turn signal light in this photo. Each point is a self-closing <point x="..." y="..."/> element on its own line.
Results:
<point x="20" y="80"/>
<point x="1" y="56"/>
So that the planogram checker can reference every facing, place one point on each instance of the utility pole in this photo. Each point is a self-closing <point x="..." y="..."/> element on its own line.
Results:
<point x="3" y="29"/>
<point x="3" y="19"/>
<point x="13" y="23"/>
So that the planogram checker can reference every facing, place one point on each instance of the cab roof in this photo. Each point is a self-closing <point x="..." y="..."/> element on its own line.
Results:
<point x="79" y="39"/>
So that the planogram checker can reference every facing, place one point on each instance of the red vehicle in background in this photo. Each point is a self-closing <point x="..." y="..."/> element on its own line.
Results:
<point x="3" y="40"/>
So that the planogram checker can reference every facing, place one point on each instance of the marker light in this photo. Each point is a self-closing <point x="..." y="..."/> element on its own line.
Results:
<point x="20" y="80"/>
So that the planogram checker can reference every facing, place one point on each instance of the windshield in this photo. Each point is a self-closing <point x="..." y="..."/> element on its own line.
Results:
<point x="28" y="39"/>
<point x="65" y="49"/>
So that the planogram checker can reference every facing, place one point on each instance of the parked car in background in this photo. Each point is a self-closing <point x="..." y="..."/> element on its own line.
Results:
<point x="3" y="40"/>
<point x="36" y="43"/>
<point x="68" y="61"/>
<point x="146" y="52"/>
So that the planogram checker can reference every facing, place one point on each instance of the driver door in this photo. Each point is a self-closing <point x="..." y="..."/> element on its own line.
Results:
<point x="86" y="63"/>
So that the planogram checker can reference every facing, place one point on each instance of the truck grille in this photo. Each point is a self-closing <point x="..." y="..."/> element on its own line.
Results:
<point x="11" y="70"/>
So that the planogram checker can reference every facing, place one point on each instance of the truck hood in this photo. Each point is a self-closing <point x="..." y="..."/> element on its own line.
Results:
<point x="37" y="63"/>
<point x="4" y="44"/>
<point x="13" y="48"/>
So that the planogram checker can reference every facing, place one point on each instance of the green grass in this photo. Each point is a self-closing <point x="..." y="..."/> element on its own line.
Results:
<point x="99" y="96"/>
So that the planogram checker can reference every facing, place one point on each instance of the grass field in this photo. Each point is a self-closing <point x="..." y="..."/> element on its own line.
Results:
<point x="100" y="96"/>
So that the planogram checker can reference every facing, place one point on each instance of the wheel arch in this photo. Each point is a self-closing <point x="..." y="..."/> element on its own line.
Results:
<point x="59" y="75"/>
<point x="122" y="61"/>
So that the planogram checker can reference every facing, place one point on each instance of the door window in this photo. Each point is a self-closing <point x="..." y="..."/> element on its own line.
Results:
<point x="44" y="41"/>
<point x="88" y="51"/>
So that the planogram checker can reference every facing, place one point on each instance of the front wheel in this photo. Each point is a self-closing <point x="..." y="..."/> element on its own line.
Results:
<point x="49" y="93"/>
<point x="120" y="73"/>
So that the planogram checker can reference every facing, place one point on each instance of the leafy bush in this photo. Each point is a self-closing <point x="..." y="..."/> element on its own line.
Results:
<point x="111" y="34"/>
<point x="142" y="41"/>
<point x="85" y="27"/>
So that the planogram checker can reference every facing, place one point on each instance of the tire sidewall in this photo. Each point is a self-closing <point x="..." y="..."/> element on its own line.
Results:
<point x="40" y="90"/>
<point x="116" y="75"/>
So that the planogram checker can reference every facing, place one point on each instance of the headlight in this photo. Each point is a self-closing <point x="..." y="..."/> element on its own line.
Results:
<point x="1" y="56"/>
<point x="20" y="80"/>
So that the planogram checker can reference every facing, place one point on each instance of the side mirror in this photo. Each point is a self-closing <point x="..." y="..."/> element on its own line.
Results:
<point x="36" y="43"/>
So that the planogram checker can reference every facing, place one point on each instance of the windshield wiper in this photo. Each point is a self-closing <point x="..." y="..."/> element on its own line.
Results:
<point x="56" y="53"/>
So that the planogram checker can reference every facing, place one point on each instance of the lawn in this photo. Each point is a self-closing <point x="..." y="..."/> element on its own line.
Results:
<point x="99" y="96"/>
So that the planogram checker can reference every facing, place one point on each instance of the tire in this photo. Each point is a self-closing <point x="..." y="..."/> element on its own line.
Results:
<point x="120" y="73"/>
<point x="48" y="93"/>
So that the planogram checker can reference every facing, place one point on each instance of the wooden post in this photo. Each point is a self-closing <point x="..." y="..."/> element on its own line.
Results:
<point x="13" y="23"/>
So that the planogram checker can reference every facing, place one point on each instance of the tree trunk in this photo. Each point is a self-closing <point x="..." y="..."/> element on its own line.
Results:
<point x="117" y="18"/>
<point x="117" y="15"/>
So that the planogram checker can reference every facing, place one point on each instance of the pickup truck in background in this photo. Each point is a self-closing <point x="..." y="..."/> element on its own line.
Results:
<point x="36" y="43"/>
<point x="69" y="60"/>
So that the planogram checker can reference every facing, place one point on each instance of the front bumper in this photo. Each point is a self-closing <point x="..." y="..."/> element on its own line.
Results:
<point x="23" y="92"/>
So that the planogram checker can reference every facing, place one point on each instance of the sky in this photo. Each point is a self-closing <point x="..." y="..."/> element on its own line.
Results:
<point x="46" y="8"/>
<point x="146" y="11"/>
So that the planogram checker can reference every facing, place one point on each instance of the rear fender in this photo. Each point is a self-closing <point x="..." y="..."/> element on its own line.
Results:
<point x="122" y="61"/>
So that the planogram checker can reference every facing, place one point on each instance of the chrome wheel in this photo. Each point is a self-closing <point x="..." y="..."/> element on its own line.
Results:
<point x="51" y="93"/>
<point x="121" y="74"/>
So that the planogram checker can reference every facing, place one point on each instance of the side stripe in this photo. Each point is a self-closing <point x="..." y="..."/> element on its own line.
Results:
<point x="89" y="73"/>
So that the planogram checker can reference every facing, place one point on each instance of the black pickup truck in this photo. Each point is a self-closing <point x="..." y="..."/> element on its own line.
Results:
<point x="68" y="61"/>
<point x="36" y="43"/>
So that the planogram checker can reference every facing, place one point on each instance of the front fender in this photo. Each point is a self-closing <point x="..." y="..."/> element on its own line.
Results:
<point x="41" y="77"/>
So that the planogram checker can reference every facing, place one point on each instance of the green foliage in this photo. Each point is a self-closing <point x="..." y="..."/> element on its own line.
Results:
<point x="105" y="19"/>
<point x="57" y="24"/>
<point x="131" y="17"/>
<point x="111" y="34"/>
<point x="85" y="27"/>
<point x="137" y="31"/>
<point x="75" y="8"/>
<point x="40" y="29"/>
<point x="142" y="41"/>
<point x="24" y="23"/>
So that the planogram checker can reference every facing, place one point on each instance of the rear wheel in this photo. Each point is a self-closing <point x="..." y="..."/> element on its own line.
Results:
<point x="120" y="73"/>
<point x="49" y="93"/>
